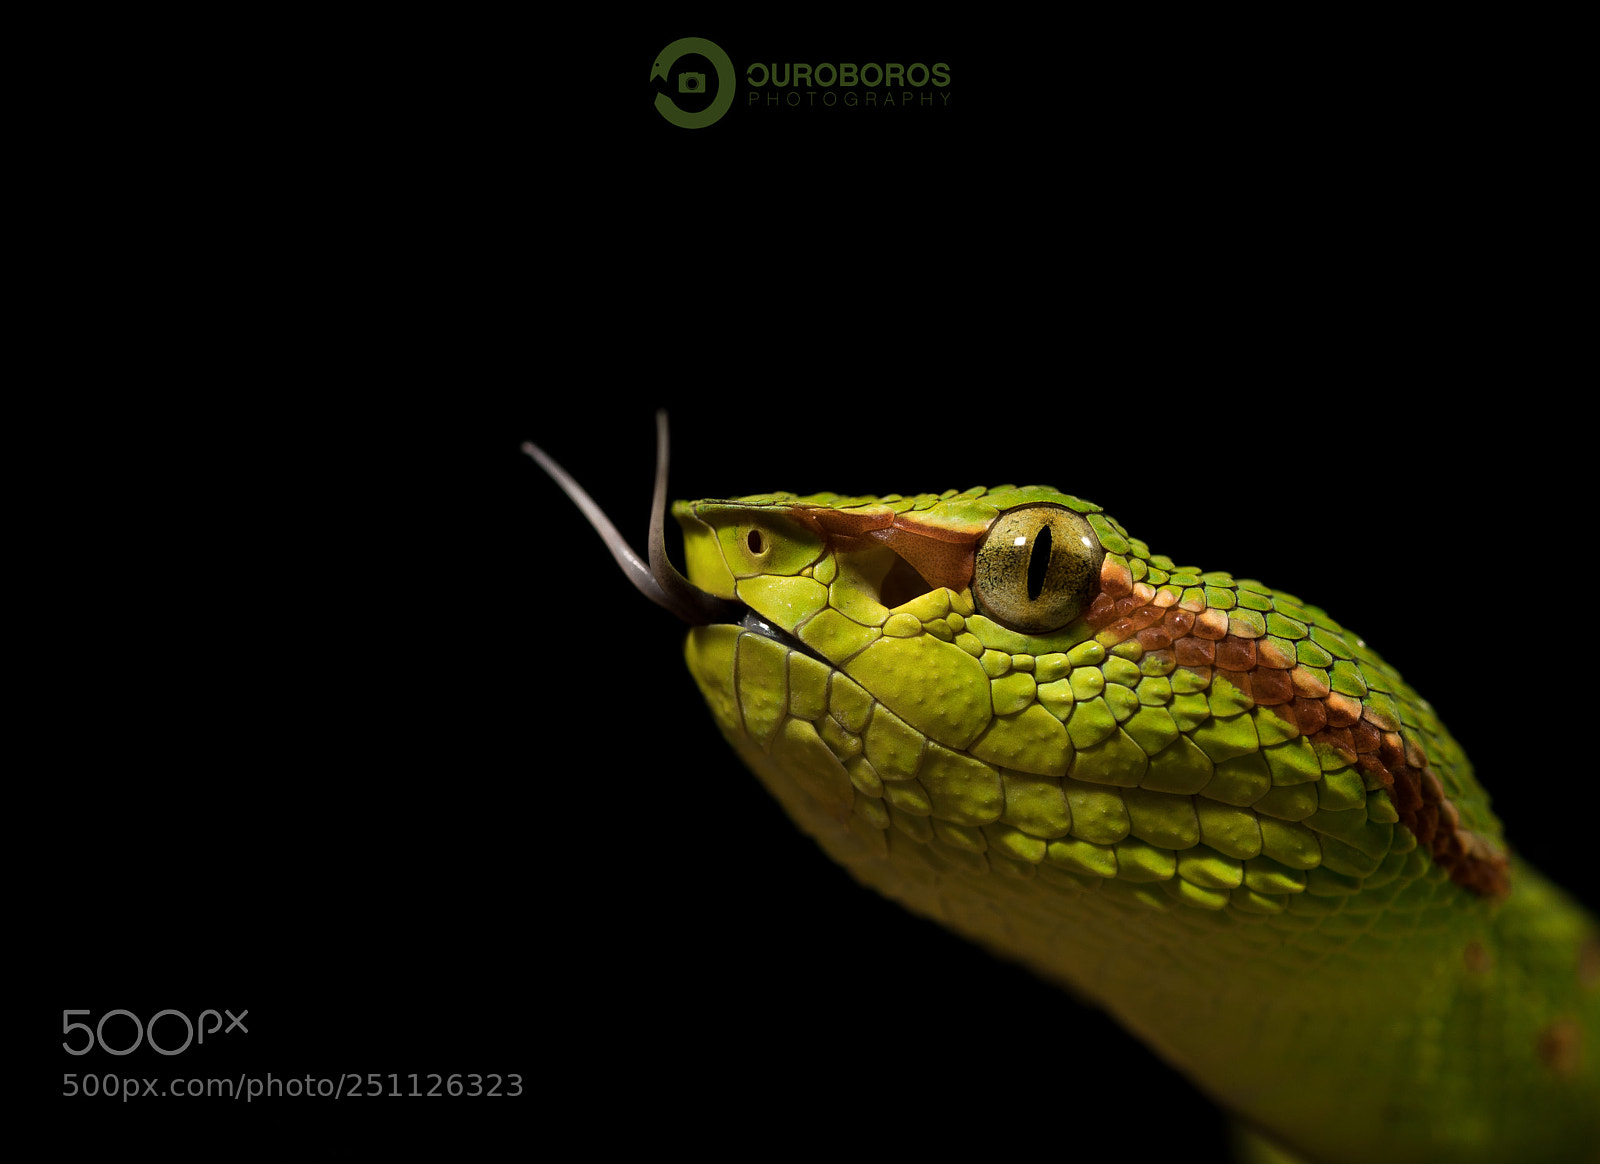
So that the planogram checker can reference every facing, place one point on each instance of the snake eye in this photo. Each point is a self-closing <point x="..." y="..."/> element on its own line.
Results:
<point x="1036" y="568"/>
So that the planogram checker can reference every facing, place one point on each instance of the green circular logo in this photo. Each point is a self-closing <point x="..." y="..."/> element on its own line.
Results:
<point x="694" y="82"/>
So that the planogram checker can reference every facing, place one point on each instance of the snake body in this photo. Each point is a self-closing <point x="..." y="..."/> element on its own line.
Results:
<point x="1197" y="801"/>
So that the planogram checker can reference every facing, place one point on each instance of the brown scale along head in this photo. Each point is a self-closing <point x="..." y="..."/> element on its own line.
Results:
<point x="1321" y="684"/>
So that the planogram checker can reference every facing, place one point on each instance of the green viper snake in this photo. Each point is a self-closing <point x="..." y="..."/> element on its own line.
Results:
<point x="1198" y="802"/>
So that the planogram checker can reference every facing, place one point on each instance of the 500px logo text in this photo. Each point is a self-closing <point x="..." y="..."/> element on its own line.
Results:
<point x="146" y="1032"/>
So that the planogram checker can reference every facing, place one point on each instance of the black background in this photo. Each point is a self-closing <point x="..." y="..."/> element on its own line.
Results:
<point x="358" y="729"/>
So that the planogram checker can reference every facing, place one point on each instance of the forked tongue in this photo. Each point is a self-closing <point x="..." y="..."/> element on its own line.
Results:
<point x="659" y="581"/>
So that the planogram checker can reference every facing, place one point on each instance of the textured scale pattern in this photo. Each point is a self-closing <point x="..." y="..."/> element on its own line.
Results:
<point x="1193" y="736"/>
<point x="1202" y="803"/>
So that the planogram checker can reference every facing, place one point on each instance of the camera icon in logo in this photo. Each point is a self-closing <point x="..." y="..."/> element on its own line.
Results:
<point x="712" y="103"/>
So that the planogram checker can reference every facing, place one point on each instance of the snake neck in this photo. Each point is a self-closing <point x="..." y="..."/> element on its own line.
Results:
<point x="1275" y="1016"/>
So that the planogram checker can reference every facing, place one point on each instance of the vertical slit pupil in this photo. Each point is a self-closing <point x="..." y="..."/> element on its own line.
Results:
<point x="1038" y="563"/>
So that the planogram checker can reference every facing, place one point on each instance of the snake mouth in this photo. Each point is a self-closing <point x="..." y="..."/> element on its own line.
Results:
<point x="753" y="623"/>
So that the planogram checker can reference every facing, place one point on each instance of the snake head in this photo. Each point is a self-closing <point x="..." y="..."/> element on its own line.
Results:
<point x="935" y="605"/>
<point x="1021" y="633"/>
